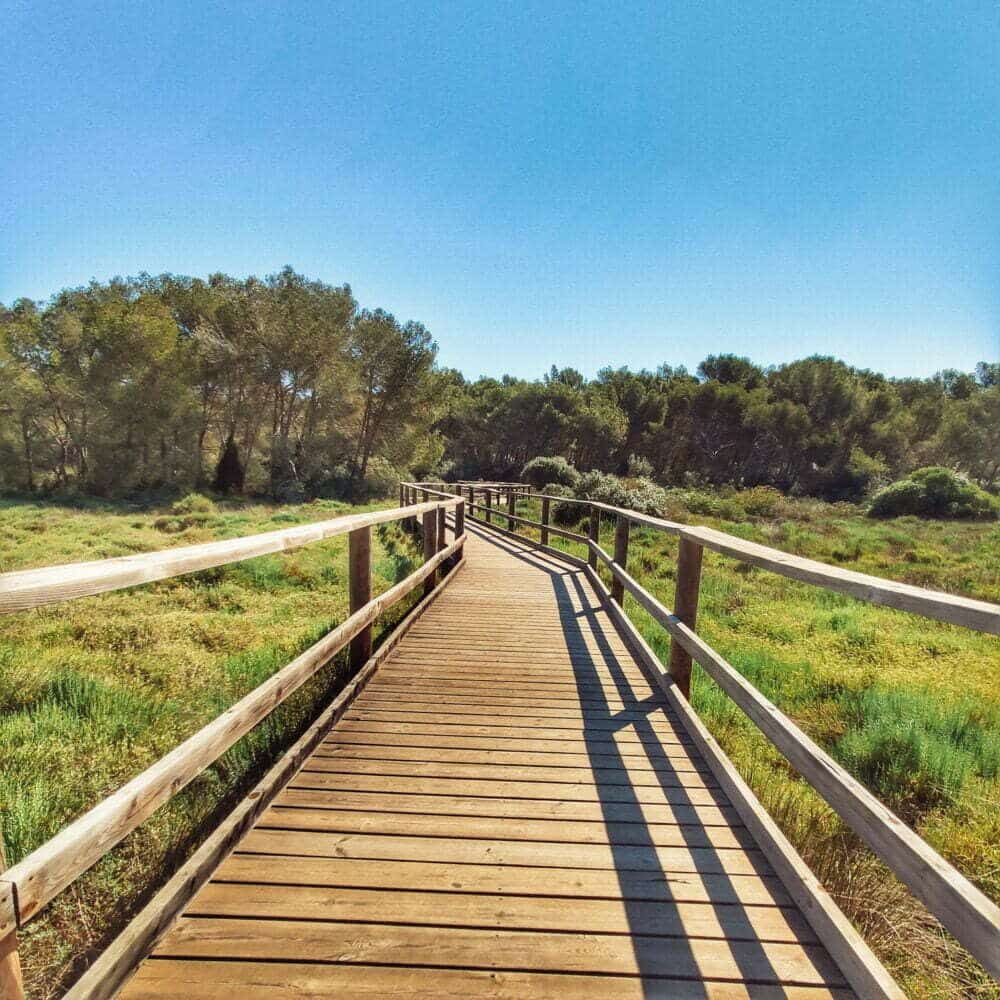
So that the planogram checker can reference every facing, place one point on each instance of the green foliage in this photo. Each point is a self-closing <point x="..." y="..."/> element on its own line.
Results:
<point x="549" y="469"/>
<point x="935" y="492"/>
<point x="193" y="503"/>
<point x="915" y="752"/>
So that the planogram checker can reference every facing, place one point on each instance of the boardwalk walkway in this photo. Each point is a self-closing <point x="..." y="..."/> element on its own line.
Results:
<point x="508" y="810"/>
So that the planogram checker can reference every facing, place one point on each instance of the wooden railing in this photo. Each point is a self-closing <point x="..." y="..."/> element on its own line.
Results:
<point x="964" y="910"/>
<point x="37" y="879"/>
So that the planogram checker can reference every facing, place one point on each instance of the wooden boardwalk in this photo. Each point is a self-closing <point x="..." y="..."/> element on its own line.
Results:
<point x="507" y="810"/>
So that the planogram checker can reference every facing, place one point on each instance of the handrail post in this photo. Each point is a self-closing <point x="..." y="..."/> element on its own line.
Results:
<point x="459" y="527"/>
<point x="511" y="510"/>
<point x="489" y="505"/>
<point x="359" y="547"/>
<point x="594" y="531"/>
<point x="685" y="609"/>
<point x="430" y="546"/>
<point x="545" y="520"/>
<point x="11" y="982"/>
<point x="442" y="524"/>
<point x="622" y="526"/>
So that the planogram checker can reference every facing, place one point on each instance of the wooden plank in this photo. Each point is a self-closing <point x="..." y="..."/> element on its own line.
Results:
<point x="504" y="912"/>
<point x="550" y="734"/>
<point x="390" y="944"/>
<point x="400" y="798"/>
<point x="592" y="721"/>
<point x="106" y="974"/>
<point x="193" y="980"/>
<point x="980" y="615"/>
<point x="565" y="883"/>
<point x="668" y="754"/>
<point x="319" y="777"/>
<point x="47" y="871"/>
<point x="536" y="854"/>
<point x="618" y="772"/>
<point x="506" y="828"/>
<point x="33" y="588"/>
<point x="500" y="758"/>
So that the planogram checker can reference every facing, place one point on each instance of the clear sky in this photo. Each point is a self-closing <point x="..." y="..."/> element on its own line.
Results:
<point x="538" y="182"/>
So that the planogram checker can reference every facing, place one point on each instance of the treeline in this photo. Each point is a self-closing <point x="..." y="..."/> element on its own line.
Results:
<point x="280" y="386"/>
<point x="286" y="387"/>
<point x="817" y="426"/>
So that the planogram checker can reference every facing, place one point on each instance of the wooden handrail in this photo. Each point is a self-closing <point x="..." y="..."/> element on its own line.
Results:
<point x="964" y="910"/>
<point x="33" y="588"/>
<point x="35" y="880"/>
<point x="938" y="605"/>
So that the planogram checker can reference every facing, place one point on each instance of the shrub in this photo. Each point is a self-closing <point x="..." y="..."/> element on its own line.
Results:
<point x="914" y="752"/>
<point x="565" y="514"/>
<point x="553" y="469"/>
<point x="935" y="492"/>
<point x="639" y="467"/>
<point x="760" y="501"/>
<point x="602" y="487"/>
<point x="647" y="498"/>
<point x="193" y="503"/>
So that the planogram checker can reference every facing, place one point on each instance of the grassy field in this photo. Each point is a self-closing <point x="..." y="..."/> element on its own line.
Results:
<point x="95" y="690"/>
<point x="909" y="706"/>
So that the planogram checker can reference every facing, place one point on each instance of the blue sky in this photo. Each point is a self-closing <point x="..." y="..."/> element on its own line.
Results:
<point x="572" y="183"/>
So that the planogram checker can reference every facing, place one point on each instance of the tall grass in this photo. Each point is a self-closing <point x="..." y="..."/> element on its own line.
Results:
<point x="95" y="690"/>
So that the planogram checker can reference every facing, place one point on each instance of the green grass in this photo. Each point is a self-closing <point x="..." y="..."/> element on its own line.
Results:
<point x="911" y="707"/>
<point x="92" y="691"/>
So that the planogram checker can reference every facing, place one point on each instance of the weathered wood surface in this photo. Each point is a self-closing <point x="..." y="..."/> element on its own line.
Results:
<point x="33" y="588"/>
<point x="45" y="872"/>
<point x="509" y="809"/>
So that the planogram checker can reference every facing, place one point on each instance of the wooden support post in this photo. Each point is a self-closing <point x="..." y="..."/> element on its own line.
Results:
<point x="686" y="609"/>
<point x="621" y="557"/>
<point x="11" y="982"/>
<point x="430" y="520"/>
<point x="441" y="527"/>
<point x="595" y="535"/>
<point x="359" y="548"/>
<point x="545" y="521"/>
<point x="511" y="509"/>
<point x="489" y="505"/>
<point x="460" y="519"/>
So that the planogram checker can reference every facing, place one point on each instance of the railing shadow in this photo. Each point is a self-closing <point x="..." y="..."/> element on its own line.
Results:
<point x="630" y="838"/>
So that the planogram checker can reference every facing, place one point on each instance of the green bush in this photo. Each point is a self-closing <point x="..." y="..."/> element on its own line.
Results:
<point x="912" y="751"/>
<point x="193" y="503"/>
<point x="549" y="469"/>
<point x="935" y="492"/>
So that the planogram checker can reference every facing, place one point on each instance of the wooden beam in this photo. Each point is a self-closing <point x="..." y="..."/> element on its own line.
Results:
<point x="545" y="520"/>
<point x="11" y="981"/>
<point x="360" y="590"/>
<point x="594" y="533"/>
<point x="430" y="546"/>
<point x="979" y="615"/>
<point x="686" y="609"/>
<point x="36" y="587"/>
<point x="621" y="557"/>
